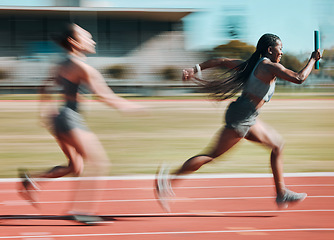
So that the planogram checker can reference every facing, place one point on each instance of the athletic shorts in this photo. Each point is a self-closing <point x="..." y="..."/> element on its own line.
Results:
<point x="241" y="115"/>
<point x="68" y="119"/>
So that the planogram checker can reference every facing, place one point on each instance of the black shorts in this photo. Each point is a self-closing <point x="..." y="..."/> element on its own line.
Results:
<point x="241" y="115"/>
<point x="68" y="119"/>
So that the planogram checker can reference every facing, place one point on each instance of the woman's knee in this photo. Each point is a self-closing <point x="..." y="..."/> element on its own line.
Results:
<point x="76" y="168"/>
<point x="278" y="147"/>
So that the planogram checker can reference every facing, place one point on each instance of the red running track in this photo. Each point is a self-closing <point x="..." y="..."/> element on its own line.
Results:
<point x="210" y="208"/>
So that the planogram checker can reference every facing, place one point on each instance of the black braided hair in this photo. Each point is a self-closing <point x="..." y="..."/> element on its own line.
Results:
<point x="233" y="81"/>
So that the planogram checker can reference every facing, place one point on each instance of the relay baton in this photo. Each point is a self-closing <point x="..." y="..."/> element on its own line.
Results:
<point x="316" y="46"/>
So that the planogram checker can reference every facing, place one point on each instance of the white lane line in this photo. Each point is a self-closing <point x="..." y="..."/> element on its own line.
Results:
<point x="191" y="176"/>
<point x="172" y="233"/>
<point x="32" y="235"/>
<point x="151" y="188"/>
<point x="35" y="233"/>
<point x="22" y="202"/>
<point x="208" y="213"/>
<point x="226" y="212"/>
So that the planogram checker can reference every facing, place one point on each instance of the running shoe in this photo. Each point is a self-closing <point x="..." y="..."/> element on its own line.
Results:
<point x="90" y="220"/>
<point x="163" y="188"/>
<point x="289" y="197"/>
<point x="28" y="188"/>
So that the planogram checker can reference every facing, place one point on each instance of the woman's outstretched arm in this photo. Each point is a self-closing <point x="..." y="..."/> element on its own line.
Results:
<point x="216" y="62"/>
<point x="97" y="84"/>
<point x="295" y="77"/>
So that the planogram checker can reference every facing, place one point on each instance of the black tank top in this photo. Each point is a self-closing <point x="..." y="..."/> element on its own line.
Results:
<point x="69" y="89"/>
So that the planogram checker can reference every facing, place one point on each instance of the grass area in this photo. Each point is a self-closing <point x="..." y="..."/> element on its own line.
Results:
<point x="281" y="92"/>
<point x="172" y="132"/>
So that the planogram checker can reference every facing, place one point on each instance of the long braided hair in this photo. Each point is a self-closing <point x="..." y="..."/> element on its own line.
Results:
<point x="62" y="38"/>
<point x="232" y="81"/>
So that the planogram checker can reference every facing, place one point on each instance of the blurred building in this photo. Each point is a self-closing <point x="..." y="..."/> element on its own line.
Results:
<point x="140" y="49"/>
<point x="136" y="48"/>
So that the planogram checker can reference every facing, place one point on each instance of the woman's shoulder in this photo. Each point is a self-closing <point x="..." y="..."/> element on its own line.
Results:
<point x="78" y="62"/>
<point x="266" y="61"/>
<point x="74" y="69"/>
<point x="80" y="66"/>
<point x="266" y="70"/>
<point x="269" y="65"/>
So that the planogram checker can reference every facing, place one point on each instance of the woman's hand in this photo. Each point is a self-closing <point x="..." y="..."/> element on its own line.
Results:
<point x="187" y="74"/>
<point x="316" y="55"/>
<point x="130" y="108"/>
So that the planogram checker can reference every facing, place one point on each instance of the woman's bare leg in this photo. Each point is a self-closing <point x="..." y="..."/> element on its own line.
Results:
<point x="75" y="162"/>
<point x="96" y="161"/>
<point x="227" y="138"/>
<point x="263" y="134"/>
<point x="74" y="167"/>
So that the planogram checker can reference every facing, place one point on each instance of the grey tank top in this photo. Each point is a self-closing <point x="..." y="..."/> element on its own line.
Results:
<point x="257" y="87"/>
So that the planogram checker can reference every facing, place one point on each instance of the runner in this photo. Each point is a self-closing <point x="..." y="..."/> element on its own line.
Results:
<point x="78" y="143"/>
<point x="255" y="78"/>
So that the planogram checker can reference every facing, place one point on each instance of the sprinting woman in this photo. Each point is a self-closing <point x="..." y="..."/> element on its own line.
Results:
<point x="255" y="78"/>
<point x="78" y="143"/>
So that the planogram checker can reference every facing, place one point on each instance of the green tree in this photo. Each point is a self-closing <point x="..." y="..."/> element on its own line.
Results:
<point x="291" y="62"/>
<point x="327" y="63"/>
<point x="241" y="50"/>
<point x="328" y="55"/>
<point x="235" y="49"/>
